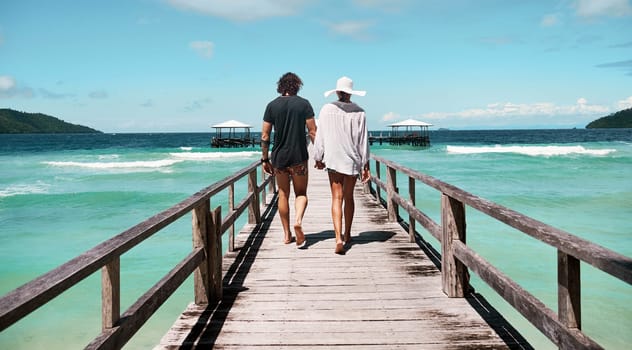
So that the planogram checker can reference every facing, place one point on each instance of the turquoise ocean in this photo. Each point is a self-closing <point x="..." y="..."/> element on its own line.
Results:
<point x="61" y="195"/>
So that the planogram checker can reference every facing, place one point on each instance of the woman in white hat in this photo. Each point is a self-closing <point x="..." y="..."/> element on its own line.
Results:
<point x="342" y="147"/>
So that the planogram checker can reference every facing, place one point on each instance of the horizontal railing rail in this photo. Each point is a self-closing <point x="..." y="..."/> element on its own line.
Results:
<point x="204" y="262"/>
<point x="563" y="328"/>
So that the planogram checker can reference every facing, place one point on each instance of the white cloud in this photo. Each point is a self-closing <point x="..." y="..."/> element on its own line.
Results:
<point x="9" y="88"/>
<point x="390" y="116"/>
<point x="597" y="8"/>
<point x="354" y="29"/>
<point x="203" y="48"/>
<point x="508" y="110"/>
<point x="6" y="83"/>
<point x="625" y="104"/>
<point x="244" y="10"/>
<point x="549" y="21"/>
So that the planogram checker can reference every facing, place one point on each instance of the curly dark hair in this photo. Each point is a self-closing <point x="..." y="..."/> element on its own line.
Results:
<point x="289" y="84"/>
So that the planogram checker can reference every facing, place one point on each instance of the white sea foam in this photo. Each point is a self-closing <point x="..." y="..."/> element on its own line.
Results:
<point x="214" y="155"/>
<point x="145" y="164"/>
<point x="186" y="148"/>
<point x="22" y="189"/>
<point x="530" y="150"/>
<point x="108" y="156"/>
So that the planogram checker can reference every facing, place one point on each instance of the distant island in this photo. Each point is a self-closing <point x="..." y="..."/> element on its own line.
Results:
<point x="620" y="119"/>
<point x="15" y="122"/>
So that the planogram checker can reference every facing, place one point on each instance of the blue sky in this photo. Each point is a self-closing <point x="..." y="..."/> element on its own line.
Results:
<point x="183" y="65"/>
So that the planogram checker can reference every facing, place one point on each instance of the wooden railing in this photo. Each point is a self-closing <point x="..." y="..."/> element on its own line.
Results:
<point x="205" y="262"/>
<point x="563" y="328"/>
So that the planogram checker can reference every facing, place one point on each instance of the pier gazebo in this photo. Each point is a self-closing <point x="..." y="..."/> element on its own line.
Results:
<point x="408" y="132"/>
<point x="227" y="135"/>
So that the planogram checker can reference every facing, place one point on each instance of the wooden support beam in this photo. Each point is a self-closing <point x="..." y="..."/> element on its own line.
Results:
<point x="231" y="208"/>
<point x="111" y="293"/>
<point x="254" y="213"/>
<point x="454" y="275"/>
<point x="411" y="219"/>
<point x="202" y="275"/>
<point x="569" y="290"/>
<point x="215" y="256"/>
<point x="391" y="185"/>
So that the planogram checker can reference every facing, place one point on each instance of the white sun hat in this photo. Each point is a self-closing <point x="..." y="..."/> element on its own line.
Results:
<point x="345" y="84"/>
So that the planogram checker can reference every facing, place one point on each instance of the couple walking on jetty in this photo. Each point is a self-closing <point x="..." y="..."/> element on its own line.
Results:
<point x="341" y="147"/>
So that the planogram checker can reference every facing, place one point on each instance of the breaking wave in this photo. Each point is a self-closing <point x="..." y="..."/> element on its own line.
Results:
<point x="145" y="164"/>
<point x="530" y="150"/>
<point x="22" y="189"/>
<point x="214" y="155"/>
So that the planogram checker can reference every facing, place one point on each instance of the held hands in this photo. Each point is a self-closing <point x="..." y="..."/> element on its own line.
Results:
<point x="319" y="165"/>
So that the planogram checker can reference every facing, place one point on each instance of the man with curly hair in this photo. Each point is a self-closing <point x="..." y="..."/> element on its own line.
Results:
<point x="289" y="115"/>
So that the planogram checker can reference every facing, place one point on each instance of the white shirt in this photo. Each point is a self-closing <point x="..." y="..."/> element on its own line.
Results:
<point x="342" y="138"/>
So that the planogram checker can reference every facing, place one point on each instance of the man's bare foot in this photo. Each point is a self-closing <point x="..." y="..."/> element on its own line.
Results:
<point x="340" y="248"/>
<point x="289" y="240"/>
<point x="347" y="238"/>
<point x="300" y="236"/>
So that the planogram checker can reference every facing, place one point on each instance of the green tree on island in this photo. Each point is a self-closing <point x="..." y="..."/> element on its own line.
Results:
<point x="620" y="119"/>
<point x="15" y="122"/>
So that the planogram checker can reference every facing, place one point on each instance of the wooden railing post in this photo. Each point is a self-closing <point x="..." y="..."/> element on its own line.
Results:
<point x="254" y="212"/>
<point x="111" y="293"/>
<point x="264" y="198"/>
<point x="215" y="258"/>
<point x="411" y="220"/>
<point x="231" y="207"/>
<point x="391" y="188"/>
<point x="378" y="190"/>
<point x="454" y="275"/>
<point x="568" y="290"/>
<point x="366" y="187"/>
<point x="201" y="218"/>
<point x="272" y="185"/>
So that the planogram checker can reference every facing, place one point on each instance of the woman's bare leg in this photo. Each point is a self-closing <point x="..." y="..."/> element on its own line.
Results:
<point x="336" y="181"/>
<point x="283" y="181"/>
<point x="349" y="204"/>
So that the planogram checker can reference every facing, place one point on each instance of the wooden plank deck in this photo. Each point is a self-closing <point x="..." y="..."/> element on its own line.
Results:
<point x="385" y="293"/>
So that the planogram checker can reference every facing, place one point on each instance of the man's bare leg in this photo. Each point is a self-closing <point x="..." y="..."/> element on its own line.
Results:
<point x="283" y="181"/>
<point x="299" y="181"/>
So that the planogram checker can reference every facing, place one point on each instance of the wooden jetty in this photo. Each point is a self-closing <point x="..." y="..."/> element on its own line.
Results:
<point x="385" y="292"/>
<point x="391" y="289"/>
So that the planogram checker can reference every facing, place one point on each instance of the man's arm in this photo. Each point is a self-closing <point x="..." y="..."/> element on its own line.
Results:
<point x="266" y="129"/>
<point x="311" y="128"/>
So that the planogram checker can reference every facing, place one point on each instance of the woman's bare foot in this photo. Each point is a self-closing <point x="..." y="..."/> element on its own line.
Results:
<point x="300" y="236"/>
<point x="347" y="238"/>
<point x="340" y="248"/>
<point x="288" y="240"/>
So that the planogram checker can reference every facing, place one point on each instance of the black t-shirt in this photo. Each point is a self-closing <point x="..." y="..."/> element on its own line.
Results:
<point x="288" y="114"/>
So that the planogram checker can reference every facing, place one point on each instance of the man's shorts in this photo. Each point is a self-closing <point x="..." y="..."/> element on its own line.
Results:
<point x="294" y="170"/>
